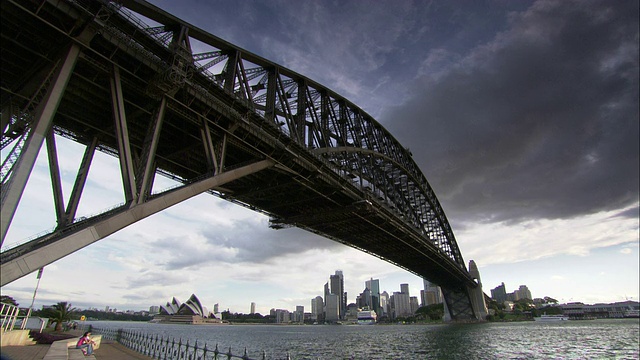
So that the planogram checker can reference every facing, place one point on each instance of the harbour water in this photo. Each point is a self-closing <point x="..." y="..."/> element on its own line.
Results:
<point x="589" y="339"/>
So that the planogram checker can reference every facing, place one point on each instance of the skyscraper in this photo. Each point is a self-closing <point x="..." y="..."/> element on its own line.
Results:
<point x="332" y="308"/>
<point x="401" y="302"/>
<point x="384" y="303"/>
<point x="413" y="302"/>
<point x="299" y="314"/>
<point x="326" y="291"/>
<point x="253" y="308"/>
<point x="499" y="293"/>
<point x="374" y="288"/>
<point x="337" y="288"/>
<point x="317" y="307"/>
<point x="404" y="288"/>
<point x="432" y="293"/>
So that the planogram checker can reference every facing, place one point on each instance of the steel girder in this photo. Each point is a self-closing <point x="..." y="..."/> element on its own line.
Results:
<point x="187" y="114"/>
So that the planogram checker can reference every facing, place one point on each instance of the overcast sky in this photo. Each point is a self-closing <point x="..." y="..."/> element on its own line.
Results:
<point x="523" y="116"/>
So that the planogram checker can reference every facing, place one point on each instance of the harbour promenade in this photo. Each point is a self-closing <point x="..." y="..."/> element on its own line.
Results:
<point x="109" y="350"/>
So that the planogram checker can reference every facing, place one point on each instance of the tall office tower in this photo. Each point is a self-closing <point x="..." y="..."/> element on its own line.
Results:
<point x="317" y="307"/>
<point x="404" y="288"/>
<point x="432" y="293"/>
<point x="374" y="288"/>
<point x="337" y="288"/>
<point x="215" y="308"/>
<point x="499" y="293"/>
<point x="253" y="308"/>
<point x="524" y="293"/>
<point x="413" y="302"/>
<point x="326" y="291"/>
<point x="299" y="314"/>
<point x="384" y="303"/>
<point x="401" y="304"/>
<point x="364" y="299"/>
<point x="332" y="308"/>
<point x="282" y="316"/>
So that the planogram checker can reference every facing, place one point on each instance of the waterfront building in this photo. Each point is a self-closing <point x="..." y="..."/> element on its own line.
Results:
<point x="154" y="309"/>
<point x="190" y="312"/>
<point x="282" y="316"/>
<point x="524" y="293"/>
<point x="624" y="309"/>
<point x="364" y="299"/>
<point x="404" y="288"/>
<point x="352" y="312"/>
<point x="317" y="308"/>
<point x="432" y="294"/>
<point x="499" y="293"/>
<point x="216" y="308"/>
<point x="332" y="308"/>
<point x="384" y="304"/>
<point x="326" y="291"/>
<point x="299" y="314"/>
<point x="374" y="288"/>
<point x="413" y="302"/>
<point x="171" y="307"/>
<point x="401" y="305"/>
<point x="253" y="308"/>
<point x="337" y="288"/>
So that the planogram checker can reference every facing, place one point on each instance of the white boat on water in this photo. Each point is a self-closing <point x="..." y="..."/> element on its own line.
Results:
<point x="632" y="313"/>
<point x="367" y="317"/>
<point x="546" y="317"/>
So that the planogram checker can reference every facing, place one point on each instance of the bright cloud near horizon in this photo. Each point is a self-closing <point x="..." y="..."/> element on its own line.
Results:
<point x="522" y="115"/>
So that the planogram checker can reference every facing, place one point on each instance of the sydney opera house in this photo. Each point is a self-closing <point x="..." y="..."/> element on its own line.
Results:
<point x="189" y="312"/>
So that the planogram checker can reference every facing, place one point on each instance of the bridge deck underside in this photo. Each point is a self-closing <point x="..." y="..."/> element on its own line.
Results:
<point x="299" y="191"/>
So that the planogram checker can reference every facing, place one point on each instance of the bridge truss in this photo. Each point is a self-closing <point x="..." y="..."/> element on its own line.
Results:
<point x="221" y="120"/>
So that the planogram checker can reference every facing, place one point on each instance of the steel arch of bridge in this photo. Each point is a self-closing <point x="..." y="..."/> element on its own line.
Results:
<point x="221" y="120"/>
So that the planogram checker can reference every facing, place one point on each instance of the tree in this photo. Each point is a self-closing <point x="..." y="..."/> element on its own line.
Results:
<point x="432" y="312"/>
<point x="8" y="300"/>
<point x="59" y="314"/>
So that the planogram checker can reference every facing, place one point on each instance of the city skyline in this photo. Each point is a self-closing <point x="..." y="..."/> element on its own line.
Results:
<point x="523" y="117"/>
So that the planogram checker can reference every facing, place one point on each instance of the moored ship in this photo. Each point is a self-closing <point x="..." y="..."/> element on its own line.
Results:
<point x="367" y="317"/>
<point x="546" y="317"/>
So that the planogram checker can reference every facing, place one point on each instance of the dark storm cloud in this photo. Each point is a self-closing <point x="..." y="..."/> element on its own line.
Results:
<point x="541" y="122"/>
<point x="245" y="242"/>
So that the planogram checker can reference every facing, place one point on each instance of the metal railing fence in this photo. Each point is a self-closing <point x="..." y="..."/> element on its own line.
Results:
<point x="159" y="347"/>
<point x="9" y="314"/>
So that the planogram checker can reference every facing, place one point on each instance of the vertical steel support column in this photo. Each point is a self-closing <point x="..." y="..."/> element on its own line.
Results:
<point x="122" y="134"/>
<point x="81" y="179"/>
<point x="43" y="119"/>
<point x="152" y="144"/>
<point x="209" y="150"/>
<point x="301" y="117"/>
<point x="56" y="183"/>
<point x="231" y="69"/>
<point x="270" y="110"/>
<point x="324" y="120"/>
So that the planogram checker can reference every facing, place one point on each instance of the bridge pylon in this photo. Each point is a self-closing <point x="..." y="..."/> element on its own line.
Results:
<point x="465" y="303"/>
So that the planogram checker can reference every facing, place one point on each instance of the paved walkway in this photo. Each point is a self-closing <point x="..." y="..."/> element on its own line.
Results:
<point x="108" y="350"/>
<point x="29" y="352"/>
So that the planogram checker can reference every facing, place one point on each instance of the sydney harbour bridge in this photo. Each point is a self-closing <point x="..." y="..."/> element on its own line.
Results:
<point x="220" y="120"/>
